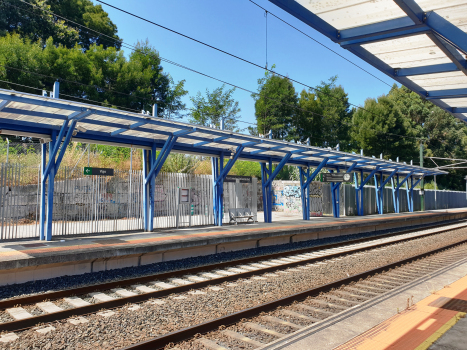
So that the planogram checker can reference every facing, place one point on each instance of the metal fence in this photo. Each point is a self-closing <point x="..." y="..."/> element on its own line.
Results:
<point x="95" y="204"/>
<point x="433" y="199"/>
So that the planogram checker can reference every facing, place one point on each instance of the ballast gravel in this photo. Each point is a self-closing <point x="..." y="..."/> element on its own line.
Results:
<point x="128" y="326"/>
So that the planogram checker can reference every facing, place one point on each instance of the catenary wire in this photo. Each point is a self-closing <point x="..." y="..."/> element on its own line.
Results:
<point x="174" y="63"/>
<point x="320" y="43"/>
<point x="222" y="51"/>
<point x="132" y="47"/>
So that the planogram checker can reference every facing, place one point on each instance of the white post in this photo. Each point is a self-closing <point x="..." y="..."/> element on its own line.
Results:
<point x="56" y="90"/>
<point x="7" y="149"/>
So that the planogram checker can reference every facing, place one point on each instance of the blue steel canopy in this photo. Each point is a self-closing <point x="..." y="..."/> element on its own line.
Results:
<point x="39" y="116"/>
<point x="421" y="44"/>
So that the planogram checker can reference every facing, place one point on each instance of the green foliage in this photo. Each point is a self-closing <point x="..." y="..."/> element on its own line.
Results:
<point x="181" y="163"/>
<point x="214" y="107"/>
<point x="375" y="125"/>
<point x="110" y="75"/>
<point x="275" y="106"/>
<point x="337" y="115"/>
<point x="37" y="23"/>
<point x="246" y="168"/>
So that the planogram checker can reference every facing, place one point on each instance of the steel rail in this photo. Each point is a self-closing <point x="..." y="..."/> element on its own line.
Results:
<point x="89" y="309"/>
<point x="209" y="326"/>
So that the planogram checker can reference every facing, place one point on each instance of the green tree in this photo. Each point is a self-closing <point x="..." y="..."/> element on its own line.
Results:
<point x="135" y="83"/>
<point x="335" y="125"/>
<point x="308" y="121"/>
<point x="376" y="128"/>
<point x="37" y="22"/>
<point x="275" y="106"/>
<point x="215" y="106"/>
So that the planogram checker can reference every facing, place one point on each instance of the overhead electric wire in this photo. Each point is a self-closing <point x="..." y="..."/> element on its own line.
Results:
<point x="320" y="43"/>
<point x="134" y="48"/>
<point x="222" y="51"/>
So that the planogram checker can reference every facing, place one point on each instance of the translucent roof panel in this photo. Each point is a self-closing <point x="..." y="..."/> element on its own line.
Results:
<point x="343" y="14"/>
<point x="42" y="117"/>
<point x="421" y="44"/>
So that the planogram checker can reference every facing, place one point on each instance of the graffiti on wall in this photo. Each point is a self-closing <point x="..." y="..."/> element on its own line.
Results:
<point x="287" y="197"/>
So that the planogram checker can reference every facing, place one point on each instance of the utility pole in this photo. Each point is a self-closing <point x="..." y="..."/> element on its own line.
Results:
<point x="422" y="188"/>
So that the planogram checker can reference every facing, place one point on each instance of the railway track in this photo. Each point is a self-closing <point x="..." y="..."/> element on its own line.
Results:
<point x="83" y="301"/>
<point x="256" y="327"/>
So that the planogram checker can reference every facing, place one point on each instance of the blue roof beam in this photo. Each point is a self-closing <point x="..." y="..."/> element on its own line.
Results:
<point x="80" y="115"/>
<point x="442" y="94"/>
<point x="217" y="139"/>
<point x="391" y="29"/>
<point x="300" y="12"/>
<point x="450" y="51"/>
<point x="436" y="68"/>
<point x="131" y="127"/>
<point x="447" y="30"/>
<point x="459" y="110"/>
<point x="411" y="8"/>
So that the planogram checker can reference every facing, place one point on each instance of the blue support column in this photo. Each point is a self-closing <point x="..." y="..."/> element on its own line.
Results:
<point x="219" y="174"/>
<point x="152" y="165"/>
<point x="50" y="186"/>
<point x="152" y="188"/>
<point x="145" y="190"/>
<point x="411" y="194"/>
<point x="215" y="174"/>
<point x="267" y="178"/>
<point x="361" y="194"/>
<point x="335" y="196"/>
<point x="305" y="180"/>
<point x="377" y="194"/>
<point x="220" y="191"/>
<point x="42" y="207"/>
<point x="381" y="192"/>
<point x="395" y="193"/>
<point x="357" y="192"/>
<point x="363" y="183"/>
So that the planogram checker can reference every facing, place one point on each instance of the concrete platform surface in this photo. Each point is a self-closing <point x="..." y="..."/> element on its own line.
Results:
<point x="69" y="255"/>
<point x="439" y="301"/>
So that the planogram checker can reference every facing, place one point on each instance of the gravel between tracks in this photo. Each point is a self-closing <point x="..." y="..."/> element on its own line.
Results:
<point x="128" y="327"/>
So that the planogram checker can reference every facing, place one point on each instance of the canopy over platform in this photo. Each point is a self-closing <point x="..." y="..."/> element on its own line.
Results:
<point x="422" y="44"/>
<point x="38" y="116"/>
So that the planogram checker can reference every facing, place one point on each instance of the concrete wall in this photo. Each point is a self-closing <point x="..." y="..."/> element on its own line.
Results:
<point x="287" y="198"/>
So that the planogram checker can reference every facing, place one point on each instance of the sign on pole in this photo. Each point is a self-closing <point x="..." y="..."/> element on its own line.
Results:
<point x="336" y="177"/>
<point x="98" y="171"/>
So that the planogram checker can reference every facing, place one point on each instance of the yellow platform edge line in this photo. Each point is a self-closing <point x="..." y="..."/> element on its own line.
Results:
<point x="440" y="332"/>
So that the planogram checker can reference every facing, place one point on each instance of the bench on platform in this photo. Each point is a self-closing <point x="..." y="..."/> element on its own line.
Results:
<point x="240" y="213"/>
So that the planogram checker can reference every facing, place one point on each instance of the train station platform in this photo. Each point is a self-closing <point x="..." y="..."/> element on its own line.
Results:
<point x="432" y="323"/>
<point x="29" y="260"/>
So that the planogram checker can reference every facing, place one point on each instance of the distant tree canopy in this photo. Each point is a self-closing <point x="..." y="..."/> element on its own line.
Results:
<point x="38" y="22"/>
<point x="135" y="83"/>
<point x="215" y="106"/>
<point x="322" y="114"/>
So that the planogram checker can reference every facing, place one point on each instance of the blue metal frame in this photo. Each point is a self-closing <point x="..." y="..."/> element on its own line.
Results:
<point x="305" y="180"/>
<point x="444" y="34"/>
<point x="267" y="177"/>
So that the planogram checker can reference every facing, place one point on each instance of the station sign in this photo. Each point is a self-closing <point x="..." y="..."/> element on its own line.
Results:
<point x="336" y="177"/>
<point x="234" y="178"/>
<point x="98" y="171"/>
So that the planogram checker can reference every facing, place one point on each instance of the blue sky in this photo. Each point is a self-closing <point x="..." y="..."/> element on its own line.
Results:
<point x="238" y="26"/>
